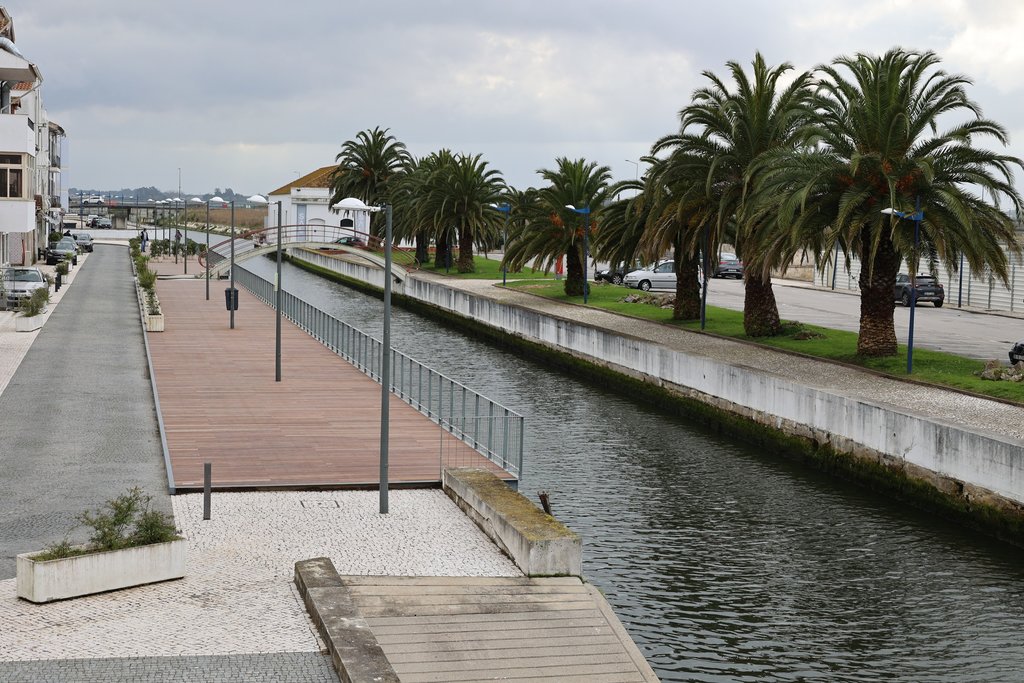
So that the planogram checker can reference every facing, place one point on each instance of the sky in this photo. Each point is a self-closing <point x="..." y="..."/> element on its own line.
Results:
<point x="251" y="95"/>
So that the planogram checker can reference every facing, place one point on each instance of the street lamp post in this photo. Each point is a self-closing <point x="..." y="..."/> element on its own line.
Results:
<point x="917" y="217"/>
<point x="207" y="259"/>
<point x="585" y="212"/>
<point x="506" y="209"/>
<point x="385" y="364"/>
<point x="257" y="199"/>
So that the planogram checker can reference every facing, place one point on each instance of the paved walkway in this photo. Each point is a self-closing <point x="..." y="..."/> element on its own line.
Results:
<point x="78" y="421"/>
<point x="978" y="414"/>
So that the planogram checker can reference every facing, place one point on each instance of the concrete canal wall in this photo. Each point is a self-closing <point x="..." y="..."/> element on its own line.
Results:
<point x="965" y="467"/>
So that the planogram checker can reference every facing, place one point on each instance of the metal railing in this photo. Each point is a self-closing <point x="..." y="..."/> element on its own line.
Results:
<point x="491" y="429"/>
<point x="500" y="433"/>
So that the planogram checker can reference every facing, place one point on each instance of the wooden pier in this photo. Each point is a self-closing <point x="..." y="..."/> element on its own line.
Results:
<point x="318" y="427"/>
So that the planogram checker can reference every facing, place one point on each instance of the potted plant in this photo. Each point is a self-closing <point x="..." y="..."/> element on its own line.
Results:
<point x="131" y="545"/>
<point x="32" y="308"/>
<point x="154" y="318"/>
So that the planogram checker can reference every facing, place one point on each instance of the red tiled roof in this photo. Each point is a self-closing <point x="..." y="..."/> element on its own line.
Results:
<point x="318" y="178"/>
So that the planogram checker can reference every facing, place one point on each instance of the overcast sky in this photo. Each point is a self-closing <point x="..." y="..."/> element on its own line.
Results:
<point x="250" y="95"/>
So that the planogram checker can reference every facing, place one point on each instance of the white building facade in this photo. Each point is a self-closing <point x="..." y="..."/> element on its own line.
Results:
<point x="305" y="203"/>
<point x="31" y="154"/>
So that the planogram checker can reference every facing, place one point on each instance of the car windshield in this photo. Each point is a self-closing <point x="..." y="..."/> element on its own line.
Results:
<point x="24" y="275"/>
<point x="925" y="280"/>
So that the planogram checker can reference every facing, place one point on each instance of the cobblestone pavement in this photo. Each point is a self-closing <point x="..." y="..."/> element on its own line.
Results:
<point x="295" y="667"/>
<point x="238" y="596"/>
<point x="977" y="414"/>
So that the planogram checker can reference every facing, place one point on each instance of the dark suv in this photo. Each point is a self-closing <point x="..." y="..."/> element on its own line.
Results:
<point x="928" y="289"/>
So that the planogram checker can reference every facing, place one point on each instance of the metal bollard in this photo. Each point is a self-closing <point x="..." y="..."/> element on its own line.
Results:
<point x="207" y="477"/>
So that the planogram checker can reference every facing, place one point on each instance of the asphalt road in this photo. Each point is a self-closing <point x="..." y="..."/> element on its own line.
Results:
<point x="968" y="333"/>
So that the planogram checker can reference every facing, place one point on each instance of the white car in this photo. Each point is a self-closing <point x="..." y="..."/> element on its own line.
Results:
<point x="661" y="276"/>
<point x="19" y="283"/>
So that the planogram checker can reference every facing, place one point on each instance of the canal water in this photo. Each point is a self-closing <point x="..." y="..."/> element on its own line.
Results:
<point x="726" y="563"/>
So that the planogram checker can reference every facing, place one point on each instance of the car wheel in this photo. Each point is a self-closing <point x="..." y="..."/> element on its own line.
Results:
<point x="645" y="285"/>
<point x="616" y="279"/>
<point x="906" y="299"/>
<point x="938" y="304"/>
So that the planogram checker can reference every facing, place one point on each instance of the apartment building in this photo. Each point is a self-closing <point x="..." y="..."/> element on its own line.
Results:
<point x="31" y="153"/>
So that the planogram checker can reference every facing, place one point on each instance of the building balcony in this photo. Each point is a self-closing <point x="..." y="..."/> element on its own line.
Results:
<point x="16" y="135"/>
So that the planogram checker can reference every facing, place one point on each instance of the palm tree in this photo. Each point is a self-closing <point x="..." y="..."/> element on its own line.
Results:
<point x="461" y="194"/>
<point x="554" y="230"/>
<point x="877" y="145"/>
<point x="727" y="131"/>
<point x="680" y="217"/>
<point x="368" y="166"/>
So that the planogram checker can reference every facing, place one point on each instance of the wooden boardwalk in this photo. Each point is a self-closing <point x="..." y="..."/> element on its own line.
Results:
<point x="492" y="628"/>
<point x="318" y="427"/>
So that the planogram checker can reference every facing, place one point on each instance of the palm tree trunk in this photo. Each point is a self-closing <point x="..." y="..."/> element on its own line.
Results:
<point x="422" y="247"/>
<point x="877" y="335"/>
<point x="573" y="272"/>
<point x="760" y="312"/>
<point x="442" y="252"/>
<point x="466" y="264"/>
<point x="687" y="305"/>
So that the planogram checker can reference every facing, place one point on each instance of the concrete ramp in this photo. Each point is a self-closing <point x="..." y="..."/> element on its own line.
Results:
<point x="469" y="628"/>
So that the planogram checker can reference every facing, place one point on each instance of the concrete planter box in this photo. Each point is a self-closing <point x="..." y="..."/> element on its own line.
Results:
<point x="155" y="323"/>
<point x="71" y="577"/>
<point x="23" y="324"/>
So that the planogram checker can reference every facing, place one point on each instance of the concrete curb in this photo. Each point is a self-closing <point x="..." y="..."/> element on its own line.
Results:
<point x="356" y="655"/>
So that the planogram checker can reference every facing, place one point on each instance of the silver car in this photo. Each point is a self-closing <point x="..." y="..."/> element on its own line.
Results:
<point x="19" y="283"/>
<point x="661" y="276"/>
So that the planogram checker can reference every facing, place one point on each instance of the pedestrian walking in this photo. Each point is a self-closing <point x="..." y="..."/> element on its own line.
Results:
<point x="143" y="238"/>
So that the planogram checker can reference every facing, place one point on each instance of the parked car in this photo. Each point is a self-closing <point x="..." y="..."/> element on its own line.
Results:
<point x="616" y="274"/>
<point x="19" y="283"/>
<point x="350" y="241"/>
<point x="728" y="266"/>
<point x="928" y="289"/>
<point x="661" y="276"/>
<point x="104" y="223"/>
<point x="83" y="240"/>
<point x="1017" y="353"/>
<point x="58" y="251"/>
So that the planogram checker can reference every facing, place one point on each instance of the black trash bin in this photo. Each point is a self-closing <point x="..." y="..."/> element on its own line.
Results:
<point x="231" y="299"/>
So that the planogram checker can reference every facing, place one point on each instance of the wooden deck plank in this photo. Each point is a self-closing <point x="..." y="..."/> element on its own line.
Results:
<point x="319" y="426"/>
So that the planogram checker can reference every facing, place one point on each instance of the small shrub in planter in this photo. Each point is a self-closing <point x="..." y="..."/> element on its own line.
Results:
<point x="152" y="305"/>
<point x="123" y="522"/>
<point x="62" y="268"/>
<point x="130" y="545"/>
<point x="147" y="278"/>
<point x="36" y="303"/>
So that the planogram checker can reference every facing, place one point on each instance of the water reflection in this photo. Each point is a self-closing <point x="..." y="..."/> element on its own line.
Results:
<point x="724" y="564"/>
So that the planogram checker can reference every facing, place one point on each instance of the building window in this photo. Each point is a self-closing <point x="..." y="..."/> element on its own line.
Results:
<point x="12" y="175"/>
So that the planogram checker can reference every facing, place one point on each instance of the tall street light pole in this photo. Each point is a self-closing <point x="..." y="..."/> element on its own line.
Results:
<point x="257" y="199"/>
<point x="506" y="209"/>
<point x="207" y="259"/>
<point x="585" y="212"/>
<point x="917" y="217"/>
<point x="232" y="296"/>
<point x="385" y="365"/>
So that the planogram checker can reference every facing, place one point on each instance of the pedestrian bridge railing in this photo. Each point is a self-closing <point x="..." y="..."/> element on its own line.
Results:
<point x="494" y="431"/>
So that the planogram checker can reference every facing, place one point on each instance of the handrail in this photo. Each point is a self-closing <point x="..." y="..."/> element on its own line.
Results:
<point x="249" y="242"/>
<point x="494" y="431"/>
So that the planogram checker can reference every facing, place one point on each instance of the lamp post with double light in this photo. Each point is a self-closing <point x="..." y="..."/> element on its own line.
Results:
<point x="506" y="209"/>
<point x="232" y="294"/>
<point x="257" y="199"/>
<point x="917" y="216"/>
<point x="585" y="212"/>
